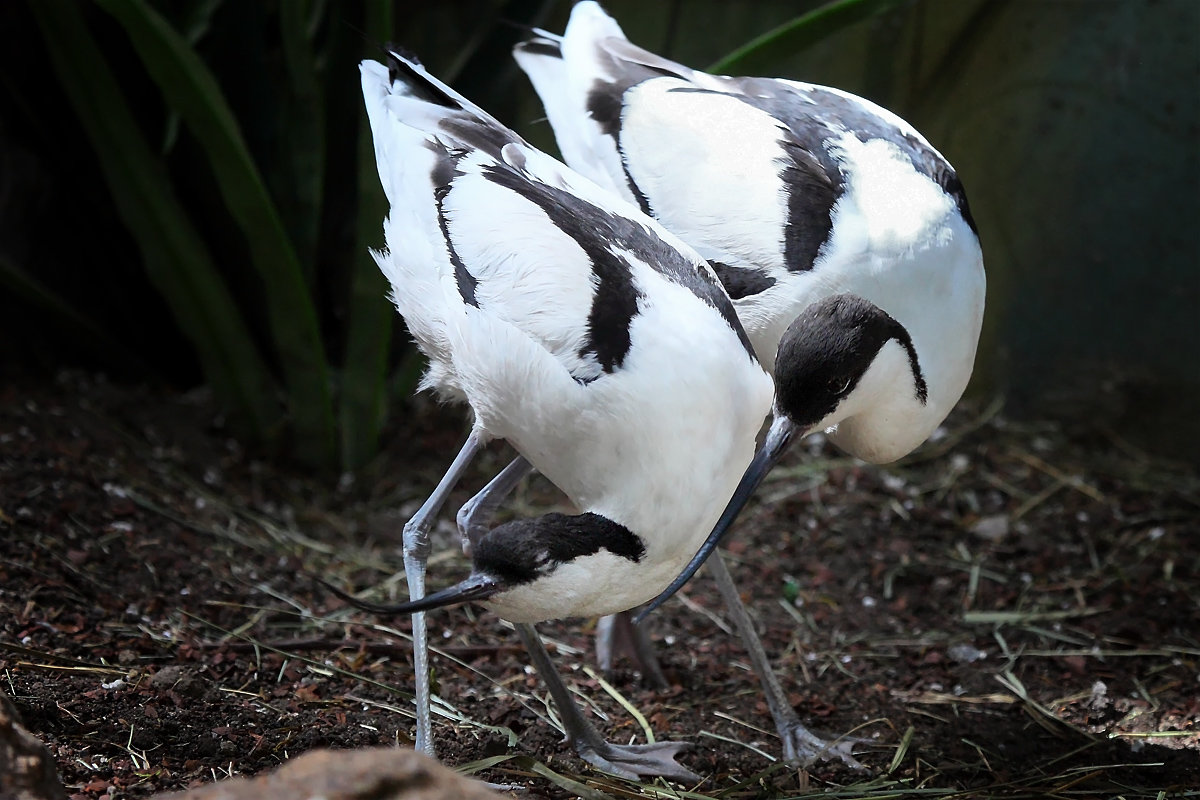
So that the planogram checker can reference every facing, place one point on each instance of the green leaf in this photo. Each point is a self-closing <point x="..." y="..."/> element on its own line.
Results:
<point x="175" y="257"/>
<point x="189" y="88"/>
<point x="195" y="25"/>
<point x="791" y="590"/>
<point x="760" y="53"/>
<point x="304" y="145"/>
<point x="370" y="316"/>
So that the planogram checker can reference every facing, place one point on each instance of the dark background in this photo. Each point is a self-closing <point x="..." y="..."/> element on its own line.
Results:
<point x="1073" y="126"/>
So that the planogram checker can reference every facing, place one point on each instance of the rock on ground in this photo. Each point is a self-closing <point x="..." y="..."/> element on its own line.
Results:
<point x="26" y="766"/>
<point x="378" y="773"/>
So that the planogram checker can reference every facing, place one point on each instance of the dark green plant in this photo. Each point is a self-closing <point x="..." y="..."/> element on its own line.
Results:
<point x="758" y="55"/>
<point x="281" y="253"/>
<point x="174" y="254"/>
<point x="248" y="184"/>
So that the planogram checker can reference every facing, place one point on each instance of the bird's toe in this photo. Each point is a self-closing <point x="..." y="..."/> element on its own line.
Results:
<point x="803" y="747"/>
<point x="640" y="761"/>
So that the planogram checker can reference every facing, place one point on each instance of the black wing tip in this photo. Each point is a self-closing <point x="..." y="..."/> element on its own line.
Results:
<point x="400" y="61"/>
<point x="540" y="46"/>
<point x="403" y="64"/>
<point x="532" y="31"/>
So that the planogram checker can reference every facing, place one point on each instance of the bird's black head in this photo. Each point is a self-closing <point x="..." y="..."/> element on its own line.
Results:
<point x="523" y="550"/>
<point x="821" y="360"/>
<point x="827" y="349"/>
<point x="519" y="552"/>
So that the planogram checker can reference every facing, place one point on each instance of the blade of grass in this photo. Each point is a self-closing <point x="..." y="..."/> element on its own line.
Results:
<point x="1043" y="715"/>
<point x="931" y="90"/>
<point x="471" y="42"/>
<point x="174" y="255"/>
<point x="739" y="743"/>
<point x="1018" y="617"/>
<point x="369" y="316"/>
<point x="190" y="88"/>
<point x="901" y="750"/>
<point x="194" y="26"/>
<point x="795" y="35"/>
<point x="305" y="141"/>
<point x="472" y="767"/>
<point x="578" y="789"/>
<point x="620" y="698"/>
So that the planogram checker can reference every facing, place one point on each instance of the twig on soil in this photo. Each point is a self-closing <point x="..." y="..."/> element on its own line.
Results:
<point x="1074" y="481"/>
<point x="83" y="670"/>
<point x="942" y="698"/>
<point x="305" y="660"/>
<point x="1044" y="715"/>
<point x="90" y="585"/>
<point x="13" y="647"/>
<point x="1160" y="652"/>
<point x="746" y="745"/>
<point x="443" y="709"/>
<point x="1037" y="499"/>
<point x="950" y="442"/>
<point x="744" y="724"/>
<point x="374" y="648"/>
<point x="1019" y="617"/>
<point x="713" y="617"/>
<point x="580" y="790"/>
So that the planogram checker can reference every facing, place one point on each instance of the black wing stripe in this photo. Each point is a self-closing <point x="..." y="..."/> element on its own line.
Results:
<point x="602" y="235"/>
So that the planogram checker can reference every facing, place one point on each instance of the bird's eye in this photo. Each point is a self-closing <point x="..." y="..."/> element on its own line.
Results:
<point x="839" y="386"/>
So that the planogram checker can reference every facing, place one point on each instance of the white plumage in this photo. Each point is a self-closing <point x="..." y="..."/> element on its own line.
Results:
<point x="795" y="192"/>
<point x="594" y="341"/>
<point x="842" y="236"/>
<point x="620" y="443"/>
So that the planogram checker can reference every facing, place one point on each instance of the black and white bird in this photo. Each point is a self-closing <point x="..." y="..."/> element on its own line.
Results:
<point x="843" y="237"/>
<point x="598" y="344"/>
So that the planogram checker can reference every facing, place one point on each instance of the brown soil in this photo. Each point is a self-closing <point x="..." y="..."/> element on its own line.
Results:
<point x="1011" y="611"/>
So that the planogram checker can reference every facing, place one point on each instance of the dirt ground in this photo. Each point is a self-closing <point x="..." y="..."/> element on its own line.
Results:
<point x="1011" y="611"/>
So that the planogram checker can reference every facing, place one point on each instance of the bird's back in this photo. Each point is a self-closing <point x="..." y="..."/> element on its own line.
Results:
<point x="753" y="172"/>
<point x="565" y="317"/>
<point x="794" y="193"/>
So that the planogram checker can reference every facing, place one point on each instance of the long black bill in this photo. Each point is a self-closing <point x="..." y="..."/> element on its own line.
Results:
<point x="779" y="436"/>
<point x="475" y="587"/>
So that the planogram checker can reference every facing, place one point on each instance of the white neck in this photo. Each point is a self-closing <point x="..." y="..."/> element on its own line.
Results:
<point x="883" y="418"/>
<point x="933" y="285"/>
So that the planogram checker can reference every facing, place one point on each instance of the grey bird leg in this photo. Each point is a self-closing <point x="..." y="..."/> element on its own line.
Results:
<point x="800" y="746"/>
<point x="617" y="635"/>
<point x="416" y="553"/>
<point x="627" y="761"/>
<point x="474" y="518"/>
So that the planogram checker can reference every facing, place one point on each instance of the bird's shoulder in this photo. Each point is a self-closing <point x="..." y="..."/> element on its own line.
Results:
<point x="556" y="256"/>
